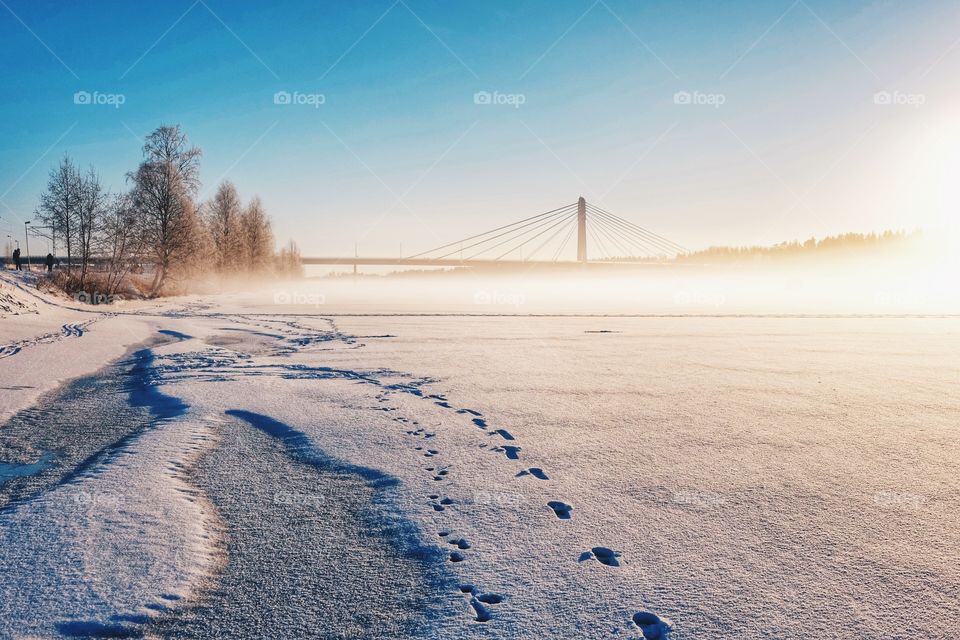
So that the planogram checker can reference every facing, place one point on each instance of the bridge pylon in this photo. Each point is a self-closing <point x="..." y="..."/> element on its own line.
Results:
<point x="581" y="230"/>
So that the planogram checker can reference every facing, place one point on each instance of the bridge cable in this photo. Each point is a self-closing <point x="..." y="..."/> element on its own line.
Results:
<point x="626" y="231"/>
<point x="601" y="229"/>
<point x="515" y="230"/>
<point x="601" y="246"/>
<point x="637" y="229"/>
<point x="564" y="243"/>
<point x="632" y="243"/>
<point x="562" y="221"/>
<point x="512" y="234"/>
<point x="515" y="237"/>
<point x="450" y="244"/>
<point x="549" y="239"/>
<point x="631" y="247"/>
<point x="640" y="229"/>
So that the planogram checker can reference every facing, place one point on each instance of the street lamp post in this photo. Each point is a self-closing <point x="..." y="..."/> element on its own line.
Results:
<point x="26" y="236"/>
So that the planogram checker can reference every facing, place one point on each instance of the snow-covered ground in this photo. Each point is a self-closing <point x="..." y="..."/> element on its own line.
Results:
<point x="263" y="466"/>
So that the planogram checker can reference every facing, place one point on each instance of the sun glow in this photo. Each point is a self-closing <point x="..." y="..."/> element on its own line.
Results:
<point x="940" y="186"/>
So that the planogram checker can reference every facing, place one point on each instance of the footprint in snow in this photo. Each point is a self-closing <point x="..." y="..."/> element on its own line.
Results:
<point x="490" y="598"/>
<point x="480" y="602"/>
<point x="72" y="330"/>
<point x="480" y="422"/>
<point x="652" y="626"/>
<point x="461" y="543"/>
<point x="503" y="433"/>
<point x="442" y="504"/>
<point x="562" y="509"/>
<point x="9" y="350"/>
<point x="470" y="411"/>
<point x="603" y="555"/>
<point x="536" y="472"/>
<point x="512" y="452"/>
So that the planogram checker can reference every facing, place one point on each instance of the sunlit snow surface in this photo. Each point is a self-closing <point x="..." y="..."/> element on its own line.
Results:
<point x="530" y="477"/>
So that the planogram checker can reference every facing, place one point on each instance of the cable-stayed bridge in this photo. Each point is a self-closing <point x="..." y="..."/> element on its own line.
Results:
<point x="542" y="239"/>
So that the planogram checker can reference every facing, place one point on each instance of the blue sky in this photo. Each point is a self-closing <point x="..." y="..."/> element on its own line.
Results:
<point x="399" y="152"/>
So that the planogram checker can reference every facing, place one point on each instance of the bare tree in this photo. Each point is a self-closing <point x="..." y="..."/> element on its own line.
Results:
<point x="191" y="258"/>
<point x="92" y="207"/>
<point x="120" y="241"/>
<point x="159" y="220"/>
<point x="60" y="204"/>
<point x="223" y="219"/>
<point x="288" y="261"/>
<point x="257" y="236"/>
<point x="164" y="186"/>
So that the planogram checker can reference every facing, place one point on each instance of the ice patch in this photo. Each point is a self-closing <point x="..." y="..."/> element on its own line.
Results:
<point x="12" y="470"/>
<point x="100" y="554"/>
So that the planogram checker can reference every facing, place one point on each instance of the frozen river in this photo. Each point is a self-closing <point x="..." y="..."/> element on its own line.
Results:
<point x="491" y="477"/>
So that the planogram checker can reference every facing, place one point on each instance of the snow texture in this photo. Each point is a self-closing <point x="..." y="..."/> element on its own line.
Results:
<point x="489" y="477"/>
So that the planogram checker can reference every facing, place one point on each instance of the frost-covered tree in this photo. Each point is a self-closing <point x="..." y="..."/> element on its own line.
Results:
<point x="223" y="214"/>
<point x="257" y="236"/>
<point x="288" y="261"/>
<point x="164" y="186"/>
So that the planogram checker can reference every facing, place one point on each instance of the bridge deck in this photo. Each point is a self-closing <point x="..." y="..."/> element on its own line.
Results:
<point x="450" y="262"/>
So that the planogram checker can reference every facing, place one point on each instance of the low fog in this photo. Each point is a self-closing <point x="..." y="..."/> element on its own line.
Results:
<point x="869" y="287"/>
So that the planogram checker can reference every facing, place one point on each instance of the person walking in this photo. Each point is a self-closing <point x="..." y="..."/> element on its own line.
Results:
<point x="49" y="262"/>
<point x="16" y="258"/>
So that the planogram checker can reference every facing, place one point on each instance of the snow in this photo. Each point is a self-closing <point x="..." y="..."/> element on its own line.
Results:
<point x="113" y="546"/>
<point x="520" y="477"/>
<point x="45" y="341"/>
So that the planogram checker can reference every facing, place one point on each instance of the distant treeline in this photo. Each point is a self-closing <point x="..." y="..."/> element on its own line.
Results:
<point x="839" y="245"/>
<point x="157" y="226"/>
